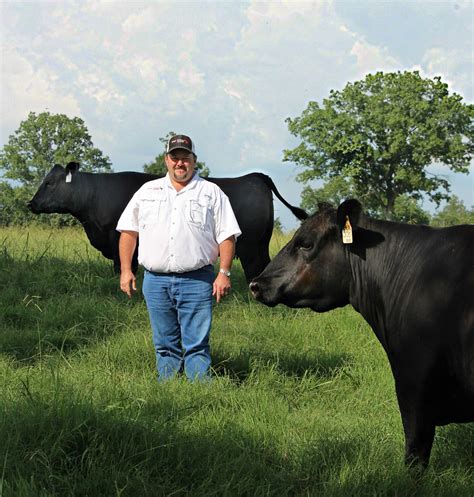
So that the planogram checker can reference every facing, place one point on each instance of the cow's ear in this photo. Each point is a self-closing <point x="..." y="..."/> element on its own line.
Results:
<point x="72" y="167"/>
<point x="351" y="209"/>
<point x="348" y="217"/>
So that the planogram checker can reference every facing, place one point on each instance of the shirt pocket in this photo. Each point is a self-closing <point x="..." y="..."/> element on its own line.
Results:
<point x="198" y="213"/>
<point x="151" y="207"/>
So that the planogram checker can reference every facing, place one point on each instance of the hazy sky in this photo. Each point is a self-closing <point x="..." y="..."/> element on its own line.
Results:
<point x="227" y="73"/>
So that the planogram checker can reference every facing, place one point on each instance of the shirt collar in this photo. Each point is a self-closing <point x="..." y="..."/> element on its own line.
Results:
<point x="190" y="186"/>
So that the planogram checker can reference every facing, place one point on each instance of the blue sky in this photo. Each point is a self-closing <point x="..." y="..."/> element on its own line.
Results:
<point x="227" y="73"/>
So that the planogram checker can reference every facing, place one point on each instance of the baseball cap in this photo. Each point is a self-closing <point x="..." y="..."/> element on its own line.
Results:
<point x="180" y="141"/>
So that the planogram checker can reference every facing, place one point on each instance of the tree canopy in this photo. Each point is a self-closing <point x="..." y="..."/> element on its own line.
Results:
<point x="378" y="136"/>
<point x="454" y="212"/>
<point x="158" y="166"/>
<point x="44" y="140"/>
<point x="40" y="142"/>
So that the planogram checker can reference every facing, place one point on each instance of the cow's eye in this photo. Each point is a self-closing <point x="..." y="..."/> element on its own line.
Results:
<point x="306" y="245"/>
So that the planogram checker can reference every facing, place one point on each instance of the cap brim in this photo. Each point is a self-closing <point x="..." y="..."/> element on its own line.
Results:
<point x="180" y="148"/>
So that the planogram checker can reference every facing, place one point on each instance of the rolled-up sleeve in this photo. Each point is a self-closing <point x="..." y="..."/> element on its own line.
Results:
<point x="226" y="224"/>
<point x="129" y="219"/>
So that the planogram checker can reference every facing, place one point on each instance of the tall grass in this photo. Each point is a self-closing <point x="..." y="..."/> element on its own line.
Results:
<point x="301" y="404"/>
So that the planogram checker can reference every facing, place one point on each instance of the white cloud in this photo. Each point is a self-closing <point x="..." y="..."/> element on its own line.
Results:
<point x="371" y="58"/>
<point x="100" y="88"/>
<point x="26" y="89"/>
<point x="140" y="21"/>
<point x="451" y="65"/>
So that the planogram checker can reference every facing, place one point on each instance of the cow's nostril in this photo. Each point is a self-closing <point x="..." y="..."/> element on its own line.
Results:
<point x="254" y="287"/>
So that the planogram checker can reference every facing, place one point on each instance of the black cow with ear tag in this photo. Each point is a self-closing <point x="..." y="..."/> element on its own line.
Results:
<point x="414" y="285"/>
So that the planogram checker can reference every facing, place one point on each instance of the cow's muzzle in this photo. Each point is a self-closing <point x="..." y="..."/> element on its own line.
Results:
<point x="254" y="289"/>
<point x="263" y="292"/>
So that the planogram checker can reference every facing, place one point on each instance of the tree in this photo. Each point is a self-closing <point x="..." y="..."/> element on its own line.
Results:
<point x="157" y="165"/>
<point x="277" y="226"/>
<point x="334" y="191"/>
<point x="380" y="135"/>
<point x="44" y="140"/>
<point x="454" y="212"/>
<point x="40" y="142"/>
<point x="408" y="210"/>
<point x="12" y="204"/>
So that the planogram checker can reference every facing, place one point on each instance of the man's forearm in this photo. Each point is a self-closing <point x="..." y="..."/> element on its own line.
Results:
<point x="226" y="253"/>
<point x="127" y="245"/>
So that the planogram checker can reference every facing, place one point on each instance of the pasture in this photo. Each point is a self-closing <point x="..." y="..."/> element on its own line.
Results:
<point x="301" y="404"/>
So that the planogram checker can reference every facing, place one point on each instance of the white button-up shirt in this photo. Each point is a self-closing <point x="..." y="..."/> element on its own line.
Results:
<point x="179" y="231"/>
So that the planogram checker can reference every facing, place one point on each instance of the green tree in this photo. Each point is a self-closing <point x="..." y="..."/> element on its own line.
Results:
<point x="277" y="226"/>
<point x="334" y="191"/>
<point x="408" y="210"/>
<point x="157" y="165"/>
<point x="44" y="140"/>
<point x="454" y="212"/>
<point x="40" y="142"/>
<point x="13" y="204"/>
<point x="380" y="135"/>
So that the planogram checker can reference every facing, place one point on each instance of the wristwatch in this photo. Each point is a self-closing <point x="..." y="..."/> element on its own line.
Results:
<point x="224" y="271"/>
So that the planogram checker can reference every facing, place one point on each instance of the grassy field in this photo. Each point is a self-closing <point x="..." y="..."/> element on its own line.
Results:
<point x="301" y="404"/>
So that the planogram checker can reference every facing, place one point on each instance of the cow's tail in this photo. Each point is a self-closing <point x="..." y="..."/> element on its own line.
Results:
<point x="299" y="213"/>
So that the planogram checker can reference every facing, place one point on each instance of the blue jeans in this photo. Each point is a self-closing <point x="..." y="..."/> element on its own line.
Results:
<point x="180" y="310"/>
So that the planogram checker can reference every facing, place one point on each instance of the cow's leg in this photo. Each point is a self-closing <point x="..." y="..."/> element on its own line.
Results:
<point x="419" y="436"/>
<point x="418" y="425"/>
<point x="254" y="258"/>
<point x="115" y="237"/>
<point x="135" y="261"/>
<point x="116" y="266"/>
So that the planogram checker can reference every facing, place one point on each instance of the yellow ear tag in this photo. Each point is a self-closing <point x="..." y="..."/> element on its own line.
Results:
<point x="347" y="232"/>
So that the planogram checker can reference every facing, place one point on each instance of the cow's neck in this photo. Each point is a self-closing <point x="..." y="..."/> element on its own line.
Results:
<point x="83" y="199"/>
<point x="379" y="282"/>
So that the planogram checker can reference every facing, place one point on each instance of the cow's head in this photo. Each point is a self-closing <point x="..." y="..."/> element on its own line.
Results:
<point x="54" y="193"/>
<point x="312" y="270"/>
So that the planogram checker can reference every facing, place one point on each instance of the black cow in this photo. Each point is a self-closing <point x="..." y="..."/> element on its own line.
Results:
<point x="97" y="201"/>
<point x="414" y="285"/>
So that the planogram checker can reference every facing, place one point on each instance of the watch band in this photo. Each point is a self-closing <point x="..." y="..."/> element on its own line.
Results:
<point x="223" y="271"/>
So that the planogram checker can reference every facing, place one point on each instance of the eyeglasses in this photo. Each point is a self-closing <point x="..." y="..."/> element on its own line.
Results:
<point x="175" y="160"/>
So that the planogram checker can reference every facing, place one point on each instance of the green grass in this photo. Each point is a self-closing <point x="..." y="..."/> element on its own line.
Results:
<point x="301" y="404"/>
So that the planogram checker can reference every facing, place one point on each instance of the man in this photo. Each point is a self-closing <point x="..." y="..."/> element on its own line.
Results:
<point x="184" y="224"/>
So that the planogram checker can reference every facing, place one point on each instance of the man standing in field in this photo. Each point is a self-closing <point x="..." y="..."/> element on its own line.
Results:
<point x="184" y="224"/>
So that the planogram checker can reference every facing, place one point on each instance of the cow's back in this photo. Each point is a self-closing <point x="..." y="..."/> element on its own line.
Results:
<point x="111" y="194"/>
<point x="252" y="202"/>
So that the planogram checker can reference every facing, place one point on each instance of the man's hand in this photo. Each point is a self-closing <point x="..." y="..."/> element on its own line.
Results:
<point x="221" y="287"/>
<point x="128" y="282"/>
